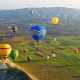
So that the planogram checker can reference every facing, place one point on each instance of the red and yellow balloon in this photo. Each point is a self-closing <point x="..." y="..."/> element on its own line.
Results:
<point x="5" y="50"/>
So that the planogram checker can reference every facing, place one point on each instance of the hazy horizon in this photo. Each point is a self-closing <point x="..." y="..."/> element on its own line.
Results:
<point x="18" y="4"/>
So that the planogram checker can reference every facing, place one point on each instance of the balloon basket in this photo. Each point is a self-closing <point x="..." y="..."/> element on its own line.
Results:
<point x="37" y="43"/>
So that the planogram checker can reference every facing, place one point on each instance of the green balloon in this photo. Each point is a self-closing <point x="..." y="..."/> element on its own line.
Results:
<point x="14" y="54"/>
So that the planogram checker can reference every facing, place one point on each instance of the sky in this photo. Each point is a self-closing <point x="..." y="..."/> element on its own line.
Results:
<point x="17" y="4"/>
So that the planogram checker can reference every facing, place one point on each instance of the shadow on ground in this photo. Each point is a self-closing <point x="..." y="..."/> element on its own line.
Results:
<point x="13" y="74"/>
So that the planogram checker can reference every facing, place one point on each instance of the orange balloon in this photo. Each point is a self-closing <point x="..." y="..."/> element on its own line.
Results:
<point x="75" y="50"/>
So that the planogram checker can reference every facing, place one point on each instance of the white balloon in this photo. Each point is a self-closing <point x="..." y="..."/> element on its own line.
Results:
<point x="9" y="27"/>
<point x="46" y="57"/>
<point x="53" y="55"/>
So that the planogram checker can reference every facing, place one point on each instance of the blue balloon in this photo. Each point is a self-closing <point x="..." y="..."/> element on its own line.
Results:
<point x="38" y="32"/>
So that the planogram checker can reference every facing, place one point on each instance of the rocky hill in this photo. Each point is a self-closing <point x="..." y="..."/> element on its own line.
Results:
<point x="69" y="19"/>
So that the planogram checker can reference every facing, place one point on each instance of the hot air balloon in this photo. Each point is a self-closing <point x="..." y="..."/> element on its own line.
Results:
<point x="25" y="50"/>
<point x="9" y="27"/>
<point x="31" y="12"/>
<point x="14" y="54"/>
<point x="28" y="58"/>
<point x="46" y="57"/>
<point x="53" y="55"/>
<point x="14" y="29"/>
<point x="75" y="51"/>
<point x="5" y="50"/>
<point x="55" y="20"/>
<point x="38" y="32"/>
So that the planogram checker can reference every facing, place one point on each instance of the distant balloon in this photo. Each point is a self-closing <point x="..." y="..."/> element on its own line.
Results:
<point x="75" y="51"/>
<point x="14" y="54"/>
<point x="46" y="57"/>
<point x="9" y="27"/>
<point x="38" y="32"/>
<point x="25" y="50"/>
<point x="53" y="55"/>
<point x="5" y="50"/>
<point x="28" y="58"/>
<point x="31" y="12"/>
<point x="55" y="20"/>
<point x="14" y="28"/>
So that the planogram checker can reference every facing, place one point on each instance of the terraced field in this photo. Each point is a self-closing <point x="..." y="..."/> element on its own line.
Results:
<point x="65" y="66"/>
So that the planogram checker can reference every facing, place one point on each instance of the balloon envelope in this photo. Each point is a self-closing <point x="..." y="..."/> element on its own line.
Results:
<point x="5" y="50"/>
<point x="25" y="50"/>
<point x="28" y="58"/>
<point x="9" y="27"/>
<point x="13" y="28"/>
<point x="14" y="54"/>
<point x="55" y="20"/>
<point x="38" y="32"/>
<point x="46" y="57"/>
<point x="31" y="12"/>
<point x="53" y="55"/>
<point x="75" y="50"/>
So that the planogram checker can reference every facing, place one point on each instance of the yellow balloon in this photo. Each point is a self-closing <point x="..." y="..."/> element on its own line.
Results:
<point x="5" y="50"/>
<point x="55" y="20"/>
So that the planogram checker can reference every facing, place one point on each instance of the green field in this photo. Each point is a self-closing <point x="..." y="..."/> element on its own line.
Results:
<point x="65" y="66"/>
